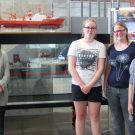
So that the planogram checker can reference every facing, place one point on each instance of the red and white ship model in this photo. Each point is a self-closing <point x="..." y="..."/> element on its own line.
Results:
<point x="32" y="21"/>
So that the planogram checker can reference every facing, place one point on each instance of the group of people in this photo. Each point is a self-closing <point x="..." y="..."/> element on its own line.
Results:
<point x="88" y="60"/>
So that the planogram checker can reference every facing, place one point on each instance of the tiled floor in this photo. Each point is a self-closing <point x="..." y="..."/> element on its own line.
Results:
<point x="56" y="123"/>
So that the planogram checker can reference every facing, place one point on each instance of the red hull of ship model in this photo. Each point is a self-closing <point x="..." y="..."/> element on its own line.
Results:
<point x="46" y="23"/>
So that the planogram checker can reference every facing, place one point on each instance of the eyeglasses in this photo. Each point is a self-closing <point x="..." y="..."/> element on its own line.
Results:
<point x="90" y="28"/>
<point x="117" y="31"/>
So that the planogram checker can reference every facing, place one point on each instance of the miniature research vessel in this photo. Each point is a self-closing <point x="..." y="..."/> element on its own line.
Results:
<point x="32" y="21"/>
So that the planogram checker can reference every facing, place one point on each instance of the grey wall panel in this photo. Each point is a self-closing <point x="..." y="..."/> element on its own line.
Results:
<point x="102" y="23"/>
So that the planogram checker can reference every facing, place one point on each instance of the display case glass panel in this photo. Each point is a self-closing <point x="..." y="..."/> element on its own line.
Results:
<point x="34" y="16"/>
<point x="37" y="69"/>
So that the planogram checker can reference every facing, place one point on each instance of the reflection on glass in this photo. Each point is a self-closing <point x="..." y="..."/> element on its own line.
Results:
<point x="34" y="16"/>
<point x="36" y="68"/>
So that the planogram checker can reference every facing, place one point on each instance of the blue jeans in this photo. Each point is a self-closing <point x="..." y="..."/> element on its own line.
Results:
<point x="2" y="115"/>
<point x="118" y="102"/>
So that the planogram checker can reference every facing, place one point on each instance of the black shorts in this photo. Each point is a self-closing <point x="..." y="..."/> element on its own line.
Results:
<point x="95" y="94"/>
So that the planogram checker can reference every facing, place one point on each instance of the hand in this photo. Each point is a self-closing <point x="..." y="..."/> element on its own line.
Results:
<point x="130" y="108"/>
<point x="105" y="92"/>
<point x="82" y="87"/>
<point x="1" y="89"/>
<point x="86" y="89"/>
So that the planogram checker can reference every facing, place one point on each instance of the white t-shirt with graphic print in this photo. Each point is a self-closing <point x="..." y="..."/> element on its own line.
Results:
<point x="87" y="55"/>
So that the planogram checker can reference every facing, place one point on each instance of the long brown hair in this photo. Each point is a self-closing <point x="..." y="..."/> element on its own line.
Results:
<point x="122" y="24"/>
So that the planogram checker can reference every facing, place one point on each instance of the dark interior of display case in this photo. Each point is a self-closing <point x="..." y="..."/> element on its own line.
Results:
<point x="42" y="38"/>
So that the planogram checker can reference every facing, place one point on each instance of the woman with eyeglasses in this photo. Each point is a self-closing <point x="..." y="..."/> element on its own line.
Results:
<point x="120" y="54"/>
<point x="86" y="60"/>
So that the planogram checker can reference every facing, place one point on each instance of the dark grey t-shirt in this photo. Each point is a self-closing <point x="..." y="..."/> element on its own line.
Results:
<point x="120" y="62"/>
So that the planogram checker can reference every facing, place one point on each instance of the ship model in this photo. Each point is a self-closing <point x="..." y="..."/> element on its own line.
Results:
<point x="29" y="20"/>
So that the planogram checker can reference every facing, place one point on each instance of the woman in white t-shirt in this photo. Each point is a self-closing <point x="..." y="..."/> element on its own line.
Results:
<point x="86" y="60"/>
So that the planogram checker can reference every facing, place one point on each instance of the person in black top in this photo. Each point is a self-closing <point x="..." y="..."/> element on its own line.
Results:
<point x="120" y="54"/>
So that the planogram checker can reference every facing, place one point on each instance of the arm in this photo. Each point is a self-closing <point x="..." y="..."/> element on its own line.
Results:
<point x="131" y="87"/>
<point x="130" y="99"/>
<point x="97" y="76"/>
<point x="72" y="70"/>
<point x="5" y="70"/>
<point x="106" y="76"/>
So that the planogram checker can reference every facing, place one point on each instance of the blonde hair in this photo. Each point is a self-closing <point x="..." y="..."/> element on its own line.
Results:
<point x="122" y="24"/>
<point x="88" y="20"/>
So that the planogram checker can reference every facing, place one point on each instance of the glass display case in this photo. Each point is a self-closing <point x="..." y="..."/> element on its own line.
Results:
<point x="38" y="68"/>
<point x="34" y="16"/>
<point x="38" y="64"/>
